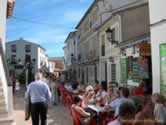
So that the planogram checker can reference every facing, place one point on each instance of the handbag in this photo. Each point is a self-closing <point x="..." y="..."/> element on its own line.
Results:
<point x="27" y="108"/>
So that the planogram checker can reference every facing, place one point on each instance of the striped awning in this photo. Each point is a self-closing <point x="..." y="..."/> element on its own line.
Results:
<point x="10" y="7"/>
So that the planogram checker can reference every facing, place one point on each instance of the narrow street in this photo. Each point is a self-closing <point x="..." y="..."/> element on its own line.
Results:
<point x="57" y="115"/>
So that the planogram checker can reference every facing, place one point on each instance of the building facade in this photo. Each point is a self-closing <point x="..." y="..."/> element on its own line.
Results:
<point x="158" y="42"/>
<point x="56" y="65"/>
<point x="70" y="52"/>
<point x="97" y="57"/>
<point x="121" y="38"/>
<point x="88" y="41"/>
<point x="109" y="52"/>
<point x="6" y="102"/>
<point x="135" y="48"/>
<point x="22" y="54"/>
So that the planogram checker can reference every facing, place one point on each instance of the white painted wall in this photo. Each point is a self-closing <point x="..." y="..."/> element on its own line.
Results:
<point x="51" y="66"/>
<point x="42" y="58"/>
<point x="3" y="5"/>
<point x="36" y="52"/>
<point x="3" y="8"/>
<point x="110" y="50"/>
<point x="70" y="48"/>
<point x="158" y="36"/>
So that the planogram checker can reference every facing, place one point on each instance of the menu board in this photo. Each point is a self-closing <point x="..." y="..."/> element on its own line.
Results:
<point x="136" y="72"/>
<point x="163" y="69"/>
<point x="130" y="67"/>
<point x="123" y="65"/>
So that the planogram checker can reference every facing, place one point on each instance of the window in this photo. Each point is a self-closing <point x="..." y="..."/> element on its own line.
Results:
<point x="13" y="59"/>
<point x="27" y="59"/>
<point x="28" y="48"/>
<point x="113" y="35"/>
<point x="103" y="45"/>
<point x="90" y="24"/>
<point x="13" y="48"/>
<point x="113" y="72"/>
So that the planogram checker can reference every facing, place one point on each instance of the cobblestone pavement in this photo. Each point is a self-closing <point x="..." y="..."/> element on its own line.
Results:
<point x="57" y="115"/>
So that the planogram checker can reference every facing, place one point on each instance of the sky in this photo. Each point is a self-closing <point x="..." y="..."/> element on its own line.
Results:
<point x="46" y="22"/>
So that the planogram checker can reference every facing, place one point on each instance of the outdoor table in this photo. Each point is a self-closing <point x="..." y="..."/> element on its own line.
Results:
<point x="99" y="109"/>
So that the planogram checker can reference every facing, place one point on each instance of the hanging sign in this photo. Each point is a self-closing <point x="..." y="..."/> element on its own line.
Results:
<point x="163" y="69"/>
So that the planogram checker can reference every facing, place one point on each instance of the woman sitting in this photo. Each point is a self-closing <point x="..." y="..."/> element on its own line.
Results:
<point x="82" y="115"/>
<point x="88" y="97"/>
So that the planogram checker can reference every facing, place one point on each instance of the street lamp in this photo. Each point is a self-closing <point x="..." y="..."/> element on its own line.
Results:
<point x="110" y="36"/>
<point x="27" y="73"/>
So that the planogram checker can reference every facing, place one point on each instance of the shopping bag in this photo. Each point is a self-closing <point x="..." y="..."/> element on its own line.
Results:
<point x="27" y="109"/>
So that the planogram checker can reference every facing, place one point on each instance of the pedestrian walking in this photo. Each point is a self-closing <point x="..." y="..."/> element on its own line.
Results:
<point x="17" y="86"/>
<point x="53" y="89"/>
<point x="40" y="95"/>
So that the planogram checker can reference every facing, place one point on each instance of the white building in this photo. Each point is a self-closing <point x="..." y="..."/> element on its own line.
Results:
<point x="70" y="52"/>
<point x="56" y="65"/>
<point x="6" y="101"/>
<point x="158" y="43"/>
<point x="21" y="52"/>
<point x="127" y="59"/>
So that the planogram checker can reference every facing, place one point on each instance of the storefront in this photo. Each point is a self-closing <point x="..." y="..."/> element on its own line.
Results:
<point x="135" y="63"/>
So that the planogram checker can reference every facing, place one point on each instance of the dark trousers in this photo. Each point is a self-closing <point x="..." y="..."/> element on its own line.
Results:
<point x="39" y="113"/>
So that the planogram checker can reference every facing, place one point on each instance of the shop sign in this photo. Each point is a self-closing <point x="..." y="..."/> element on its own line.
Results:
<point x="163" y="69"/>
<point x="144" y="49"/>
<point x="123" y="62"/>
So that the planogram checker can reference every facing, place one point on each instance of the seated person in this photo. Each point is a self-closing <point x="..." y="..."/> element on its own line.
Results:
<point x="115" y="104"/>
<point x="126" y="115"/>
<point x="112" y="94"/>
<point x="159" y="109"/>
<point x="88" y="97"/>
<point x="84" y="116"/>
<point x="139" y="90"/>
<point x="145" y="117"/>
<point x="97" y="86"/>
<point x="102" y="95"/>
<point x="138" y="101"/>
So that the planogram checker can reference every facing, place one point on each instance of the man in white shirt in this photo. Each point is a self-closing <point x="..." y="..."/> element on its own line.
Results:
<point x="40" y="95"/>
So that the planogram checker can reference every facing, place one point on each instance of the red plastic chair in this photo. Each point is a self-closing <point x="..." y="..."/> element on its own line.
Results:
<point x="75" y="116"/>
<point x="69" y="98"/>
<point x="63" y="95"/>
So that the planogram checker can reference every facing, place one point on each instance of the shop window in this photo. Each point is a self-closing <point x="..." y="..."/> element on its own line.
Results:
<point x="136" y="74"/>
<point x="113" y="72"/>
<point x="130" y="67"/>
